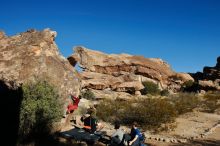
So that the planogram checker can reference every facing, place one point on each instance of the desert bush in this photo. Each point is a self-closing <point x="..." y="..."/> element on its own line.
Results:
<point x="164" y="92"/>
<point x="108" y="110"/>
<point x="150" y="113"/>
<point x="211" y="102"/>
<point x="190" y="86"/>
<point x="88" y="94"/>
<point x="40" y="108"/>
<point x="212" y="96"/>
<point x="185" y="102"/>
<point x="150" y="88"/>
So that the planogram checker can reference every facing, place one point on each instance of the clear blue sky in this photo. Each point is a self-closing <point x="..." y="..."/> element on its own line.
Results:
<point x="185" y="33"/>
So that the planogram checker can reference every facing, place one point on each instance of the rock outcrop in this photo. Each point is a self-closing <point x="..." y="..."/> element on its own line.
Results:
<point x="124" y="72"/>
<point x="34" y="55"/>
<point x="209" y="79"/>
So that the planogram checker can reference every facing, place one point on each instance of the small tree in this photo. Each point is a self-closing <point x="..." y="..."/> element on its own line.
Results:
<point x="164" y="92"/>
<point x="40" y="108"/>
<point x="150" y="88"/>
<point x="190" y="86"/>
<point x="88" y="94"/>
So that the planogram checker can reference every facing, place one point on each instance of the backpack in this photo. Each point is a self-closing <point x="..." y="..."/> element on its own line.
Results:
<point x="142" y="137"/>
<point x="142" y="140"/>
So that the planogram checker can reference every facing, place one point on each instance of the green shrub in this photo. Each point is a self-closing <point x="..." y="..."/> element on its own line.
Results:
<point x="150" y="113"/>
<point x="190" y="86"/>
<point x="88" y="94"/>
<point x="40" y="108"/>
<point x="150" y="88"/>
<point x="164" y="92"/>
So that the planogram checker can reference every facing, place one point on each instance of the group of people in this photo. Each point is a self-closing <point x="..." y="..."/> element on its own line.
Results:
<point x="134" y="138"/>
<point x="90" y="124"/>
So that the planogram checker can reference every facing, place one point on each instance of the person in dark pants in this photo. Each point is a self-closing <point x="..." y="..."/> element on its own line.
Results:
<point x="134" y="137"/>
<point x="117" y="136"/>
<point x="89" y="123"/>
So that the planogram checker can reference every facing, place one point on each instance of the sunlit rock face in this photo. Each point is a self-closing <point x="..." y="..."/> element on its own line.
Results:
<point x="124" y="72"/>
<point x="34" y="55"/>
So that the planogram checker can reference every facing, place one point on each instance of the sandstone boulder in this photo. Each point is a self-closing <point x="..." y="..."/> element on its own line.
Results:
<point x="208" y="83"/>
<point x="130" y="86"/>
<point x="2" y="34"/>
<point x="209" y="78"/>
<point x="34" y="55"/>
<point x="124" y="72"/>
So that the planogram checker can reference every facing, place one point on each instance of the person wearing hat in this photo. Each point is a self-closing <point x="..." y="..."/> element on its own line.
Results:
<point x="92" y="110"/>
<point x="89" y="123"/>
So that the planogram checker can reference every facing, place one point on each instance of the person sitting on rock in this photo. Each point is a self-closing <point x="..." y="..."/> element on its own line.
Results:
<point x="135" y="137"/>
<point x="117" y="136"/>
<point x="92" y="111"/>
<point x="89" y="123"/>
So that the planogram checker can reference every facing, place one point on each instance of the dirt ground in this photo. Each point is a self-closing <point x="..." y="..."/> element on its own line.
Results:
<point x="196" y="128"/>
<point x="192" y="129"/>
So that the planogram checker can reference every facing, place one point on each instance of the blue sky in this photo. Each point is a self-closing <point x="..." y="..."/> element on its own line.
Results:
<point x="185" y="33"/>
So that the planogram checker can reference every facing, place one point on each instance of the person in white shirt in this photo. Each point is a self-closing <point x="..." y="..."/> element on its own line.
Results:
<point x="117" y="136"/>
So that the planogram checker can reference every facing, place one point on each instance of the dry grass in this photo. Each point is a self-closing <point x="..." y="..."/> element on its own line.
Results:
<point x="156" y="113"/>
<point x="150" y="113"/>
<point x="211" y="102"/>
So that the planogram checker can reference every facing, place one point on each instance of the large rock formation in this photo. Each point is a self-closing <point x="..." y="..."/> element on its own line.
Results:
<point x="124" y="72"/>
<point x="209" y="78"/>
<point x="33" y="55"/>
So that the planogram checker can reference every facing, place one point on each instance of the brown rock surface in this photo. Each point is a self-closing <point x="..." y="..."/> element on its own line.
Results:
<point x="124" y="72"/>
<point x="34" y="55"/>
<point x="210" y="77"/>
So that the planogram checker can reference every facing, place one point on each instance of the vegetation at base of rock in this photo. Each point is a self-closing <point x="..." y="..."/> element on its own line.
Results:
<point x="190" y="86"/>
<point x="150" y="113"/>
<point x="212" y="102"/>
<point x="40" y="108"/>
<point x="164" y="92"/>
<point x="150" y="88"/>
<point x="88" y="94"/>
<point x="185" y="102"/>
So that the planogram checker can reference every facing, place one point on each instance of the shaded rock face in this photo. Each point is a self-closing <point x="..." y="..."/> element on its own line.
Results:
<point x="12" y="98"/>
<point x="124" y="72"/>
<point x="210" y="77"/>
<point x="34" y="55"/>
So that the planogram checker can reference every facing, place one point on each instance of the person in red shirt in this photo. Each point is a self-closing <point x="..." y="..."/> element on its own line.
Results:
<point x="73" y="105"/>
